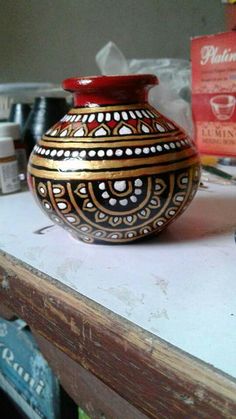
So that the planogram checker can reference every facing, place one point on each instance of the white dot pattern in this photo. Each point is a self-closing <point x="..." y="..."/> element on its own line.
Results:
<point x="117" y="152"/>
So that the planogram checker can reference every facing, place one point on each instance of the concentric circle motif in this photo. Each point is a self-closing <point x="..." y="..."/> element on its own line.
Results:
<point x="114" y="174"/>
<point x="98" y="210"/>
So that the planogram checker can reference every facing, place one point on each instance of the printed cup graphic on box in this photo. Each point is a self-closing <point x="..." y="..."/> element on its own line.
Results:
<point x="214" y="93"/>
<point x="223" y="106"/>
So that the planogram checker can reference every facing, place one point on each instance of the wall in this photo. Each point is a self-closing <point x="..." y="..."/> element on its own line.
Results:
<point x="49" y="40"/>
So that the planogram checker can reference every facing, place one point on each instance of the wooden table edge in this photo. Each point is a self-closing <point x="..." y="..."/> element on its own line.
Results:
<point x="151" y="374"/>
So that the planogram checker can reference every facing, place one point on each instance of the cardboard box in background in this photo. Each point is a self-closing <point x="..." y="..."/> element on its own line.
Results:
<point x="214" y="93"/>
<point x="26" y="379"/>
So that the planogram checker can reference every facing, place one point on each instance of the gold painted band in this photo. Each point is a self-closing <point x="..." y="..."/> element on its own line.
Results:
<point x="114" y="108"/>
<point x="92" y="143"/>
<point x="112" y="144"/>
<point x="175" y="135"/>
<point x="74" y="164"/>
<point x="119" y="174"/>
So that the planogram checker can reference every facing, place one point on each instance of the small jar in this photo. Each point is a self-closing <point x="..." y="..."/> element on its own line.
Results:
<point x="19" y="113"/>
<point x="9" y="175"/>
<point x="46" y="111"/>
<point x="11" y="129"/>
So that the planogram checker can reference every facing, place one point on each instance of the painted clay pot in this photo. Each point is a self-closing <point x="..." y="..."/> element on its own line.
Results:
<point x="113" y="170"/>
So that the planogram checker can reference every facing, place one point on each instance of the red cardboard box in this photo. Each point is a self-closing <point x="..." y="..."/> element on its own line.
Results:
<point x="214" y="93"/>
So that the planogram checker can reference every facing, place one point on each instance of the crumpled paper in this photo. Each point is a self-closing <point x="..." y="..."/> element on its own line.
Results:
<point x="171" y="97"/>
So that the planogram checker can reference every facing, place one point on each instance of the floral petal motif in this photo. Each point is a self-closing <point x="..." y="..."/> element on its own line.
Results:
<point x="63" y="205"/>
<point x="130" y="220"/>
<point x="114" y="236"/>
<point x="170" y="213"/>
<point x="159" y="187"/>
<point x="101" y="131"/>
<point x="123" y="129"/>
<point x="144" y="128"/>
<point x="80" y="131"/>
<point x="144" y="214"/>
<point x="155" y="202"/>
<point x="88" y="206"/>
<point x="115" y="221"/>
<point x="58" y="190"/>
<point x="159" y="222"/>
<point x="130" y="234"/>
<point x="145" y="230"/>
<point x="72" y="219"/>
<point x="100" y="217"/>
<point x="81" y="190"/>
<point x="179" y="198"/>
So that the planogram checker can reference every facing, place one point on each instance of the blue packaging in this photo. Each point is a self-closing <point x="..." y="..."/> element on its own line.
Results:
<point x="25" y="375"/>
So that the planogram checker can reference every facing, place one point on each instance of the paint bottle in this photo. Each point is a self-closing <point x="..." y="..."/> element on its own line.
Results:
<point x="11" y="129"/>
<point x="9" y="175"/>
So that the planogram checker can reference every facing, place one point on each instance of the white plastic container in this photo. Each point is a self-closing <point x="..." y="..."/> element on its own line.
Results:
<point x="9" y="175"/>
<point x="11" y="129"/>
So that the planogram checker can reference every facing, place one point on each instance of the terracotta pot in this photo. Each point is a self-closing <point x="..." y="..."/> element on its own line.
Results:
<point x="113" y="169"/>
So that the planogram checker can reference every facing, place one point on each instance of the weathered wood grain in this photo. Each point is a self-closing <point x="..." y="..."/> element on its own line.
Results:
<point x="6" y="313"/>
<point x="155" y="377"/>
<point x="98" y="400"/>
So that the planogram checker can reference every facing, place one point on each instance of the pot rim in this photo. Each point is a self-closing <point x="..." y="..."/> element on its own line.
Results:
<point x="74" y="84"/>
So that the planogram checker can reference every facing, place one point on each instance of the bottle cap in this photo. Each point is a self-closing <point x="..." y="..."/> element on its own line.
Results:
<point x="10" y="129"/>
<point x="7" y="148"/>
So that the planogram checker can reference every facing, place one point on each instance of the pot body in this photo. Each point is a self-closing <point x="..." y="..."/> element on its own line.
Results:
<point x="114" y="172"/>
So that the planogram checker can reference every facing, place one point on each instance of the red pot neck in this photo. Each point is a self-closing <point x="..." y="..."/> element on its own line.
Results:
<point x="110" y="90"/>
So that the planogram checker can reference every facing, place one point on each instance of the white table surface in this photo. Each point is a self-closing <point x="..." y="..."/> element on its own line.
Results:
<point x="181" y="286"/>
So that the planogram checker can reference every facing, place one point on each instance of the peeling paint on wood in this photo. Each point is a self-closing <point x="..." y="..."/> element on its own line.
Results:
<point x="155" y="377"/>
<point x="87" y="391"/>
